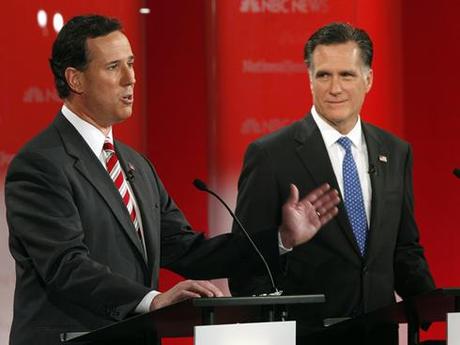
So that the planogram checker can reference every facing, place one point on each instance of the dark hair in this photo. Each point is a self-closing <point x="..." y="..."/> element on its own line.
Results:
<point x="336" y="33"/>
<point x="70" y="46"/>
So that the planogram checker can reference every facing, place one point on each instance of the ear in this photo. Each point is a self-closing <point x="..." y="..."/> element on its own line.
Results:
<point x="310" y="79"/>
<point x="369" y="80"/>
<point x="74" y="79"/>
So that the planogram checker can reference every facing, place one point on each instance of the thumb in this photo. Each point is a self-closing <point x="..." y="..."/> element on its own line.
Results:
<point x="293" y="195"/>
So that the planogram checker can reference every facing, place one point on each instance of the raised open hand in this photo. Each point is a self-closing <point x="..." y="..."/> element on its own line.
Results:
<point x="303" y="218"/>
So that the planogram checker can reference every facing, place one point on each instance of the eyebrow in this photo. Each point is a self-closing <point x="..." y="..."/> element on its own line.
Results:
<point x="342" y="72"/>
<point x="130" y="59"/>
<point x="348" y="71"/>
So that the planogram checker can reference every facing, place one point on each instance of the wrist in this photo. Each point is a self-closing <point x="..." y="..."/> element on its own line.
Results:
<point x="156" y="302"/>
<point x="284" y="240"/>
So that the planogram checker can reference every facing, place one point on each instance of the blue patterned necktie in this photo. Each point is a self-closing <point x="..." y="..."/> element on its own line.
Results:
<point x="353" y="195"/>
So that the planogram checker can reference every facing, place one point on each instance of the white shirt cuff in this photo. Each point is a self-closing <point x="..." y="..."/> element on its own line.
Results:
<point x="281" y="247"/>
<point x="144" y="305"/>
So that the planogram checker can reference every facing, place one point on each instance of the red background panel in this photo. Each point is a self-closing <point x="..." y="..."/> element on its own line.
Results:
<point x="431" y="32"/>
<point x="200" y="99"/>
<point x="28" y="98"/>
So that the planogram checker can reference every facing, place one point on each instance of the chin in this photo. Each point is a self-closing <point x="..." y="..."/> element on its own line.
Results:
<point x="127" y="112"/>
<point x="336" y="116"/>
<point x="123" y="116"/>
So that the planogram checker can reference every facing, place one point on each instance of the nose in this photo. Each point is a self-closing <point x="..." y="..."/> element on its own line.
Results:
<point x="336" y="86"/>
<point x="129" y="77"/>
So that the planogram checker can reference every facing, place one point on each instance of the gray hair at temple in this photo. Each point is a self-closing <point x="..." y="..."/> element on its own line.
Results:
<point x="337" y="33"/>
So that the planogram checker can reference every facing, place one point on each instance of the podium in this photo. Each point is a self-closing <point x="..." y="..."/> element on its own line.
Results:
<point x="417" y="312"/>
<point x="180" y="319"/>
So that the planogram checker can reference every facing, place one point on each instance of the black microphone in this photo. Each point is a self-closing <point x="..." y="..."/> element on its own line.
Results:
<point x="372" y="170"/>
<point x="456" y="172"/>
<point x="204" y="188"/>
<point x="130" y="173"/>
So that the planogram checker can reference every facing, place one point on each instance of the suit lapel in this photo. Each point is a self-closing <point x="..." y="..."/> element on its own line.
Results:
<point x="89" y="166"/>
<point x="315" y="158"/>
<point x="378" y="155"/>
<point x="139" y="187"/>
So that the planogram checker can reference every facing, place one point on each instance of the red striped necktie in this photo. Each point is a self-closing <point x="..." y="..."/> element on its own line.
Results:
<point x="118" y="176"/>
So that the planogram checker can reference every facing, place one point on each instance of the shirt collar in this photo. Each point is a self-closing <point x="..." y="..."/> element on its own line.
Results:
<point x="331" y="135"/>
<point x="92" y="135"/>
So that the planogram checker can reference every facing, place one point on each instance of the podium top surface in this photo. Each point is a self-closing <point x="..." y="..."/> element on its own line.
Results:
<point x="257" y="300"/>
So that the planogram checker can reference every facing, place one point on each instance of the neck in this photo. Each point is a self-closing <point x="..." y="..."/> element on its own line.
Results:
<point x="85" y="116"/>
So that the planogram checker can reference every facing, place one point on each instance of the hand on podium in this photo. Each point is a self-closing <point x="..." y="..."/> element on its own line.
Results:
<point x="185" y="290"/>
<point x="303" y="218"/>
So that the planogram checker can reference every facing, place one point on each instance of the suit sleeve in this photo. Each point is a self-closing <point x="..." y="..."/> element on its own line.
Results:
<point x="190" y="254"/>
<point x="258" y="206"/>
<point x="412" y="275"/>
<point x="48" y="241"/>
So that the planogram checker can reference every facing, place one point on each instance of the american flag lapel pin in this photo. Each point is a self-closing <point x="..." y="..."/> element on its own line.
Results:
<point x="383" y="158"/>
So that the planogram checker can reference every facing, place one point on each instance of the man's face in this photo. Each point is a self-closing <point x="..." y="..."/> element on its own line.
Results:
<point x="107" y="84"/>
<point x="339" y="81"/>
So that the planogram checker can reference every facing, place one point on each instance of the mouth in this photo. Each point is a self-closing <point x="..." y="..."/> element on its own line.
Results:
<point x="337" y="102"/>
<point x="128" y="99"/>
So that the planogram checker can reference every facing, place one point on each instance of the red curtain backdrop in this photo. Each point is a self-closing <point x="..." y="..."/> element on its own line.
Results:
<point x="431" y="32"/>
<point x="177" y="122"/>
<point x="213" y="75"/>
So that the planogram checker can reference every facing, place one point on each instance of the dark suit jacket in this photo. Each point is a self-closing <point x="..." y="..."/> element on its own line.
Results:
<point x="330" y="263"/>
<point x="79" y="263"/>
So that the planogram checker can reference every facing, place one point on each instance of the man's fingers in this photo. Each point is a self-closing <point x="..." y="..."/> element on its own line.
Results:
<point x="185" y="290"/>
<point x="203" y="288"/>
<point x="215" y="290"/>
<point x="327" y="216"/>
<point x="328" y="201"/>
<point x="317" y="193"/>
<point x="322" y="199"/>
<point x="293" y="195"/>
<point x="211" y="289"/>
<point x="186" y="294"/>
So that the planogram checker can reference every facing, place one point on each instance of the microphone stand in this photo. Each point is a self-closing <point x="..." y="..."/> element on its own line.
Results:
<point x="203" y="187"/>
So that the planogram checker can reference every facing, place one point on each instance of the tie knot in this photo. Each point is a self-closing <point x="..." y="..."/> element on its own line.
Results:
<point x="108" y="146"/>
<point x="345" y="142"/>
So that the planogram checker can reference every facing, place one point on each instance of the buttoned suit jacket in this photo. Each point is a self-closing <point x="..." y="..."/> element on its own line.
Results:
<point x="79" y="262"/>
<point x="331" y="263"/>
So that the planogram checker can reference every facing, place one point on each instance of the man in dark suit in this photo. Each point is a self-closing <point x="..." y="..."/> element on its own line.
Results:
<point x="90" y="221"/>
<point x="371" y="249"/>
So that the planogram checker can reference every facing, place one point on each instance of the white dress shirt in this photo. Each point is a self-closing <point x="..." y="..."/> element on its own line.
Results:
<point x="95" y="140"/>
<point x="337" y="153"/>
